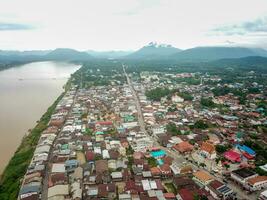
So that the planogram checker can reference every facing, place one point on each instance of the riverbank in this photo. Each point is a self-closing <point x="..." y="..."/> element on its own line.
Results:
<point x="17" y="166"/>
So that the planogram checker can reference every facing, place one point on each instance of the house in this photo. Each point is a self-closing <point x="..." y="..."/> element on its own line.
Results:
<point x="164" y="139"/>
<point x="183" y="147"/>
<point x="155" y="171"/>
<point x="207" y="150"/>
<point x="183" y="170"/>
<point x="263" y="195"/>
<point x="242" y="175"/>
<point x="30" y="196"/>
<point x="138" y="155"/>
<point x="185" y="194"/>
<point x="57" y="179"/>
<point x="58" y="192"/>
<point x="58" y="168"/>
<point x="232" y="156"/>
<point x="246" y="151"/>
<point x="76" y="190"/>
<point x="125" y="197"/>
<point x="78" y="173"/>
<point x="219" y="190"/>
<point x="184" y="182"/>
<point x="102" y="191"/>
<point x="101" y="166"/>
<point x="257" y="183"/>
<point x="111" y="188"/>
<point x="28" y="190"/>
<point x="156" y="129"/>
<point x="203" y="177"/>
<point x="70" y="165"/>
<point x="177" y="99"/>
<point x="116" y="176"/>
<point x="165" y="170"/>
<point x="90" y="156"/>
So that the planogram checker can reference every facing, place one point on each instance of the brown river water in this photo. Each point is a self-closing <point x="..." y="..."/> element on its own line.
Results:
<point x="26" y="92"/>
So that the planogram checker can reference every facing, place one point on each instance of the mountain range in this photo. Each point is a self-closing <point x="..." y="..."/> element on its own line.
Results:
<point x="152" y="51"/>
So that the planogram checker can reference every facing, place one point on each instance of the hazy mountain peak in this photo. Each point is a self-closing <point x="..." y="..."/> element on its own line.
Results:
<point x="154" y="50"/>
<point x="158" y="45"/>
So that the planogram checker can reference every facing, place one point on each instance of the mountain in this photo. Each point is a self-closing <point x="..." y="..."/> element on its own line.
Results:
<point x="153" y="51"/>
<point x="108" y="54"/>
<point x="67" y="55"/>
<point x="24" y="53"/>
<point x="246" y="61"/>
<point x="215" y="53"/>
<point x="250" y="63"/>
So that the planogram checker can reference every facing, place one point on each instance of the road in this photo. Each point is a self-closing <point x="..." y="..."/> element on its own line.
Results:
<point x="177" y="157"/>
<point x="44" y="195"/>
<point x="137" y="102"/>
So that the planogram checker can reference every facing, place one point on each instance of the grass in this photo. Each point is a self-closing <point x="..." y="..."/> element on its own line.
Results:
<point x="170" y="188"/>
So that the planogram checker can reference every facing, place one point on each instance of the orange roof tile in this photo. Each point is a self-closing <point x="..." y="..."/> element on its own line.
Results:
<point x="208" y="147"/>
<point x="203" y="176"/>
<point x="256" y="179"/>
<point x="183" y="147"/>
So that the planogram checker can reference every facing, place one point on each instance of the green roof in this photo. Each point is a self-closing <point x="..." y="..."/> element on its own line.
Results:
<point x="99" y="133"/>
<point x="65" y="146"/>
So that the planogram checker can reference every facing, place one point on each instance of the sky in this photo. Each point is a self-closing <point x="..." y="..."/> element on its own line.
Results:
<point x="130" y="24"/>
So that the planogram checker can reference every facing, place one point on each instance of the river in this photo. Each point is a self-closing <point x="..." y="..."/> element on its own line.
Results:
<point x="26" y="92"/>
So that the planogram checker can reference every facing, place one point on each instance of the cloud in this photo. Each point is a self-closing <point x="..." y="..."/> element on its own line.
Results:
<point x="14" y="27"/>
<point x="257" y="26"/>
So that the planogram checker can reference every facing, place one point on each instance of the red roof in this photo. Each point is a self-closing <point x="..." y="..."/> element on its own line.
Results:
<point x="104" y="123"/>
<point x="183" y="147"/>
<point x="155" y="171"/>
<point x="165" y="168"/>
<point x="216" y="184"/>
<point x="169" y="195"/>
<point x="159" y="184"/>
<point x="232" y="156"/>
<point x="248" y="156"/>
<point x="186" y="194"/>
<point x="90" y="156"/>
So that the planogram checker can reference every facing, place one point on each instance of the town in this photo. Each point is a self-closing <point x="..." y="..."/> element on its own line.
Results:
<point x="147" y="135"/>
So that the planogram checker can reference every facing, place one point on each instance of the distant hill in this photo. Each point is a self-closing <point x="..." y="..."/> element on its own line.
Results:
<point x="153" y="51"/>
<point x="24" y="53"/>
<point x="67" y="55"/>
<point x="108" y="54"/>
<point x="38" y="55"/>
<point x="245" y="61"/>
<point x="215" y="53"/>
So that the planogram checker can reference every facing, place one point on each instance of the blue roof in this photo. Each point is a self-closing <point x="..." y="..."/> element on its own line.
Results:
<point x="71" y="162"/>
<point x="246" y="149"/>
<point x="28" y="189"/>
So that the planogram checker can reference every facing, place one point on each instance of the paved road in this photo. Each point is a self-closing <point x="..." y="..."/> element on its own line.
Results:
<point x="177" y="157"/>
<point x="138" y="107"/>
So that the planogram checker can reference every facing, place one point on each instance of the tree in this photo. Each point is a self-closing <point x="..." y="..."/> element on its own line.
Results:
<point x="171" y="127"/>
<point x="226" y="166"/>
<point x="157" y="93"/>
<point x="202" y="165"/>
<point x="186" y="96"/>
<point x="152" y="162"/>
<point x="207" y="102"/>
<point x="221" y="148"/>
<point x="200" y="124"/>
<point x="129" y="150"/>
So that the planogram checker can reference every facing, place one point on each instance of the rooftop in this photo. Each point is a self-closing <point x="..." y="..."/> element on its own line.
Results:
<point x="244" y="172"/>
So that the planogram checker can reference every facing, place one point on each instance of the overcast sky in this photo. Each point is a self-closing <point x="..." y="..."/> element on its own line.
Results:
<point x="130" y="24"/>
